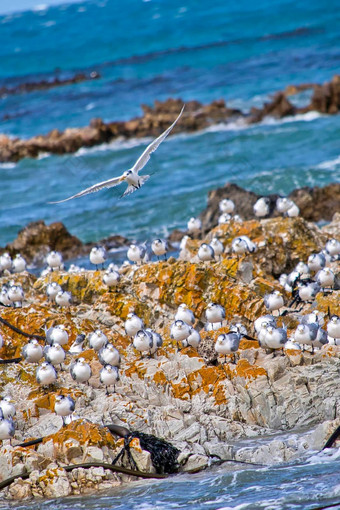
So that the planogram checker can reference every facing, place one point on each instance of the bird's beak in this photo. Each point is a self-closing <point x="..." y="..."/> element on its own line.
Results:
<point x="122" y="178"/>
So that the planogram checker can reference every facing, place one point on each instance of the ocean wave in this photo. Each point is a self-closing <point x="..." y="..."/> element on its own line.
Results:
<point x="330" y="164"/>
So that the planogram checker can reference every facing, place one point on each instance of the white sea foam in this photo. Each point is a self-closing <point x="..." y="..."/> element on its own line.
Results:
<point x="7" y="165"/>
<point x="329" y="165"/>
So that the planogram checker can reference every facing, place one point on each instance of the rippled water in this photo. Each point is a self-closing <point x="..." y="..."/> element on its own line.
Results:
<point x="311" y="484"/>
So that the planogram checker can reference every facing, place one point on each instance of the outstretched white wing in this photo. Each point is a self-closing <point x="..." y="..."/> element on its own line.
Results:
<point x="96" y="187"/>
<point x="144" y="158"/>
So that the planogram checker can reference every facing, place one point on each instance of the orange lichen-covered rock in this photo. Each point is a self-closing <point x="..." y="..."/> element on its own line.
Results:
<point x="85" y="433"/>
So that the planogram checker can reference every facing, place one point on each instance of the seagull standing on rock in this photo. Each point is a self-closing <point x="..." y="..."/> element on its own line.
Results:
<point x="273" y="301"/>
<point x="108" y="376"/>
<point x="46" y="374"/>
<point x="98" y="256"/>
<point x="133" y="324"/>
<point x="7" y="407"/>
<point x="136" y="253"/>
<point x="159" y="248"/>
<point x="179" y="330"/>
<point x="63" y="298"/>
<point x="18" y="264"/>
<point x="54" y="354"/>
<point x="64" y="406"/>
<point x="194" y="225"/>
<point x="5" y="262"/>
<point x="157" y="340"/>
<point x="185" y="314"/>
<point x="143" y="341"/>
<point x="32" y="352"/>
<point x="226" y="206"/>
<point x="227" y="344"/>
<point x="52" y="290"/>
<point x="111" y="278"/>
<point x="16" y="295"/>
<point x="54" y="260"/>
<point x="131" y="176"/>
<point x="56" y="335"/>
<point x="261" y="207"/>
<point x="109" y="355"/>
<point x="7" y="427"/>
<point x="215" y="315"/>
<point x="193" y="339"/>
<point x="78" y="345"/>
<point x="206" y="252"/>
<point x="97" y="340"/>
<point x="80" y="370"/>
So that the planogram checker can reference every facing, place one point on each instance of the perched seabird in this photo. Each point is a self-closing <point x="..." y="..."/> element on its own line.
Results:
<point x="159" y="247"/>
<point x="4" y="299"/>
<point x="64" y="406"/>
<point x="333" y="327"/>
<point x="206" y="252"/>
<point x="7" y="427"/>
<point x="224" y="218"/>
<point x="55" y="260"/>
<point x="226" y="206"/>
<point x="16" y="295"/>
<point x="316" y="261"/>
<point x="215" y="314"/>
<point x="321" y="339"/>
<point x="325" y="278"/>
<point x="306" y="333"/>
<point x="52" y="290"/>
<point x="264" y="319"/>
<point x="308" y="291"/>
<point x="97" y="339"/>
<point x="274" y="338"/>
<point x="1" y="341"/>
<point x="193" y="339"/>
<point x="74" y="269"/>
<point x="240" y="328"/>
<point x="183" y="243"/>
<point x="185" y="314"/>
<point x="284" y="204"/>
<point x="143" y="341"/>
<point x="18" y="264"/>
<point x="109" y="355"/>
<point x="78" y="345"/>
<point x="302" y="268"/>
<point x="293" y="211"/>
<point x="179" y="330"/>
<point x="7" y="407"/>
<point x="311" y="318"/>
<point x="133" y="324"/>
<point x="46" y="374"/>
<point x="290" y="344"/>
<point x="136" y="253"/>
<point x="80" y="370"/>
<point x="217" y="246"/>
<point x="54" y="354"/>
<point x="333" y="247"/>
<point x="273" y="301"/>
<point x="32" y="352"/>
<point x="111" y="278"/>
<point x="56" y="335"/>
<point x="157" y="340"/>
<point x="227" y="343"/>
<point x="194" y="225"/>
<point x="63" y="298"/>
<point x="131" y="176"/>
<point x="98" y="256"/>
<point x="242" y="244"/>
<point x="5" y="262"/>
<point x="108" y="376"/>
<point x="261" y="207"/>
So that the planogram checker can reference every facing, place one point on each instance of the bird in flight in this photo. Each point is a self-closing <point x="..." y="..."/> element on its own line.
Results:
<point x="131" y="176"/>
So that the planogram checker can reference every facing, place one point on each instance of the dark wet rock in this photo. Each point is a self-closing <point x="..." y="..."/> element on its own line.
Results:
<point x="279" y="107"/>
<point x="315" y="204"/>
<point x="326" y="97"/>
<point x="36" y="239"/>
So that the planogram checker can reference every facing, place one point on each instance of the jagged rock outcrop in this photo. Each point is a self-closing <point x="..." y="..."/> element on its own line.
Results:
<point x="315" y="204"/>
<point x="155" y="120"/>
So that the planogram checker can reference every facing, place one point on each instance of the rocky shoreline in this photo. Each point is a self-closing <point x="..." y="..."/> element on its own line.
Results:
<point x="36" y="239"/>
<point x="264" y="408"/>
<point x="197" y="116"/>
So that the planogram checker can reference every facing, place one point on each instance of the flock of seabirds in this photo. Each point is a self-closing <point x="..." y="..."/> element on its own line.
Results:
<point x="304" y="283"/>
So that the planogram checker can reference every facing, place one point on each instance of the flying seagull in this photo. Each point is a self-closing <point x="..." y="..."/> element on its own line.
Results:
<point x="131" y="176"/>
